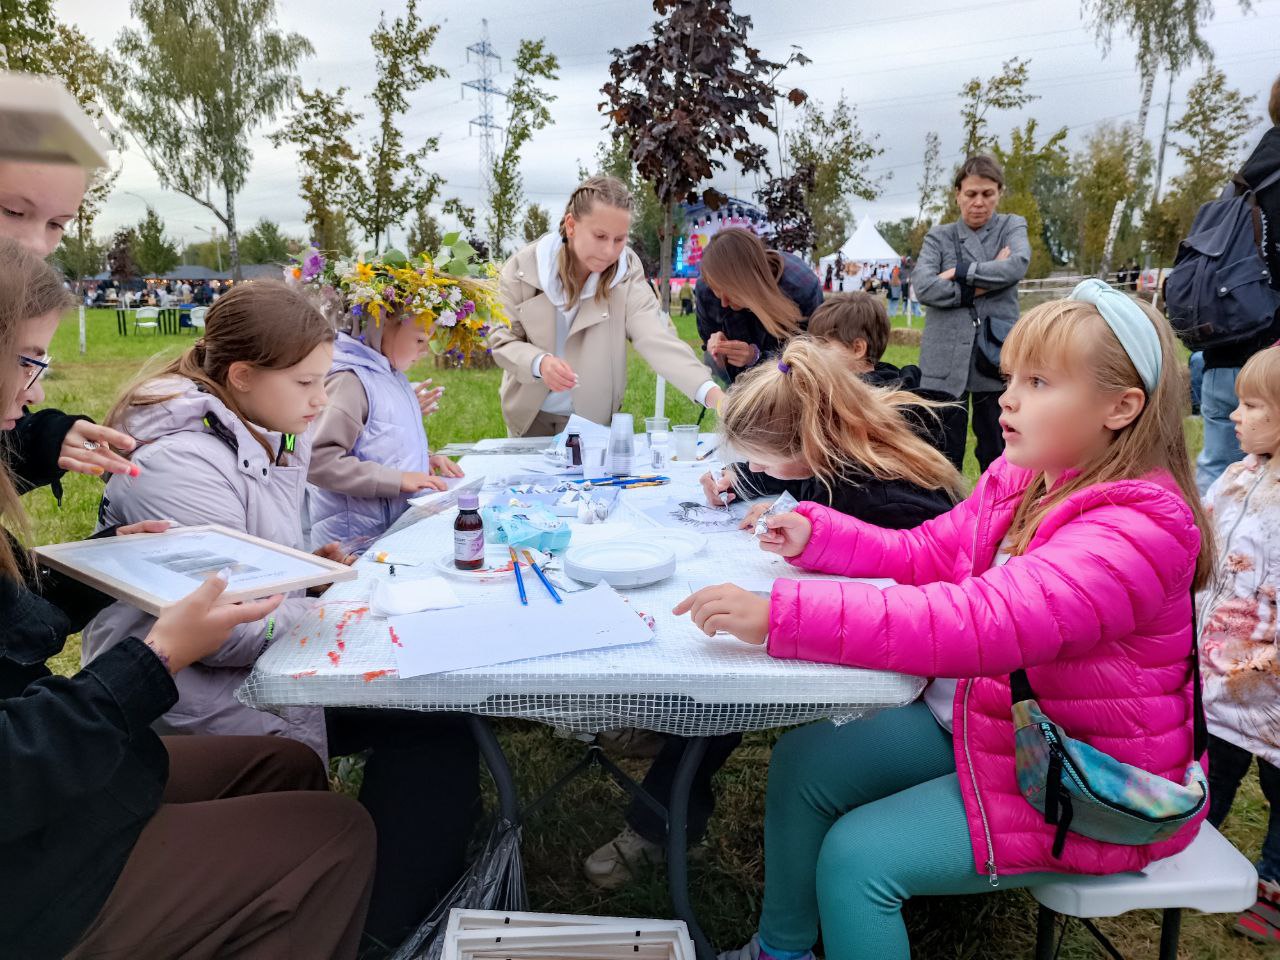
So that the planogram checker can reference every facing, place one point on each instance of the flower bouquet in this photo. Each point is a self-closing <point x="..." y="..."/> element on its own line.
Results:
<point x="453" y="296"/>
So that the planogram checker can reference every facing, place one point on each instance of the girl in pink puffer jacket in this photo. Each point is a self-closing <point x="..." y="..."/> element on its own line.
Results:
<point x="1074" y="559"/>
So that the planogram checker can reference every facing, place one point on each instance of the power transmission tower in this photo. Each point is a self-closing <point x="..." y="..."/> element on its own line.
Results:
<point x="483" y="85"/>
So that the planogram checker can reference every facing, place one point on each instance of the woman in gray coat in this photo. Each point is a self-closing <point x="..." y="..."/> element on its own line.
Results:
<point x="968" y="272"/>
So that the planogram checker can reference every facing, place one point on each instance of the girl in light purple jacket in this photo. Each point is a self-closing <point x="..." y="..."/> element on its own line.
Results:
<point x="224" y="437"/>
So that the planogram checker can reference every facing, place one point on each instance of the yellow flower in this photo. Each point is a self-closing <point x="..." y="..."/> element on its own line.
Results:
<point x="364" y="272"/>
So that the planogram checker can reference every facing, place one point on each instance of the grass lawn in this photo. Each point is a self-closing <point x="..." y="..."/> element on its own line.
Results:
<point x="727" y="884"/>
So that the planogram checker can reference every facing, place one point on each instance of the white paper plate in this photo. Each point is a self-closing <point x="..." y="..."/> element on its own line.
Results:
<point x="620" y="563"/>
<point x="685" y="543"/>
<point x="497" y="564"/>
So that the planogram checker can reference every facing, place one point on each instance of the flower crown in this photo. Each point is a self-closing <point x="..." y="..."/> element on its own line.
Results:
<point x="453" y="296"/>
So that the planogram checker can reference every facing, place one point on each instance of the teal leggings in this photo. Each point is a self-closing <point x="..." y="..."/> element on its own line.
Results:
<point x="859" y="819"/>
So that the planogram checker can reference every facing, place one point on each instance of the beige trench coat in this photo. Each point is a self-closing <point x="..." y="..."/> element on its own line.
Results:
<point x="596" y="348"/>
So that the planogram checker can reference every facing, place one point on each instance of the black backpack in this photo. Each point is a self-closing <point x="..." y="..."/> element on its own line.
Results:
<point x="1219" y="291"/>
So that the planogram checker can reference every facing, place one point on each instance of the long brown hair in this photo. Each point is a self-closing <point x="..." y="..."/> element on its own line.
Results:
<point x="29" y="288"/>
<point x="611" y="192"/>
<point x="737" y="264"/>
<point x="265" y="323"/>
<point x="1071" y="335"/>
<point x="810" y="406"/>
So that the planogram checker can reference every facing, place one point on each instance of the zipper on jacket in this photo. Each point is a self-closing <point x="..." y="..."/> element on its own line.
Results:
<point x="993" y="875"/>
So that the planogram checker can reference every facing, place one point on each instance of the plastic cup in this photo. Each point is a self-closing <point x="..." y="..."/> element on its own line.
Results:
<point x="686" y="441"/>
<point x="593" y="460"/>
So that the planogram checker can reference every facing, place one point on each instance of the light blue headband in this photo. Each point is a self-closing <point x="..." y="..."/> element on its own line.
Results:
<point x="1131" y="326"/>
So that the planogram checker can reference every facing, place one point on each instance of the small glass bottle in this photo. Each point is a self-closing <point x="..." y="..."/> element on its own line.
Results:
<point x="468" y="533"/>
<point x="573" y="447"/>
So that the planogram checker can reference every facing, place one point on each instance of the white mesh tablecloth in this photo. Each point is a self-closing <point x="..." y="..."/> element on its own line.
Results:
<point x="681" y="683"/>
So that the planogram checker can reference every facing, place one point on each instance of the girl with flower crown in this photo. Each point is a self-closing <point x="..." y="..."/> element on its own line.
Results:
<point x="370" y="450"/>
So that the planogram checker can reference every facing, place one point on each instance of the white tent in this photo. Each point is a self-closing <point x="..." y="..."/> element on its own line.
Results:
<point x="865" y="249"/>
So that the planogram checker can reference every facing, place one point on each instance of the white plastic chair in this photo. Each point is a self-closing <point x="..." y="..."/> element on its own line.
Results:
<point x="197" y="317"/>
<point x="1209" y="876"/>
<point x="146" y="318"/>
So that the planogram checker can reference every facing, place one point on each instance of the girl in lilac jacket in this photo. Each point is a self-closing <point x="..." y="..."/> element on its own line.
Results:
<point x="1074" y="559"/>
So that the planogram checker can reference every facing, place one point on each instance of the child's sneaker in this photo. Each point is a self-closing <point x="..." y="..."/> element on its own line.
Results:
<point x="610" y="867"/>
<point x="752" y="951"/>
<point x="1262" y="920"/>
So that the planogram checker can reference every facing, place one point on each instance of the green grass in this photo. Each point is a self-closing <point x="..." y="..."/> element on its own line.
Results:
<point x="727" y="884"/>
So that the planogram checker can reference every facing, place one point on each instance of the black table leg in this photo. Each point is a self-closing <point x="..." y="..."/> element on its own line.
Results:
<point x="677" y="843"/>
<point x="499" y="769"/>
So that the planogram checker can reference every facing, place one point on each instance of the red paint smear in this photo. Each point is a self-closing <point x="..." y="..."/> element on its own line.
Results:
<point x="394" y="637"/>
<point x="304" y="673"/>
<point x="342" y="644"/>
<point x="303" y="641"/>
<point x="374" y="675"/>
<point x="334" y="657"/>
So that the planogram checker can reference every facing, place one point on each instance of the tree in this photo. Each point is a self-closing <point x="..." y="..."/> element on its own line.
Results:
<point x="527" y="112"/>
<point x="837" y="152"/>
<point x="154" y="253"/>
<point x="424" y="234"/>
<point x="394" y="180"/>
<point x="25" y="29"/>
<point x="321" y="130"/>
<point x="537" y="221"/>
<point x="1168" y="36"/>
<point x="120" y="256"/>
<point x="786" y="204"/>
<point x="80" y="255"/>
<point x="266" y="244"/>
<point x="204" y="253"/>
<point x="1024" y="161"/>
<point x="899" y="234"/>
<point x="192" y="82"/>
<point x="1212" y="129"/>
<point x="1005" y="91"/>
<point x="931" y="186"/>
<point x="1101" y="175"/>
<point x="684" y="99"/>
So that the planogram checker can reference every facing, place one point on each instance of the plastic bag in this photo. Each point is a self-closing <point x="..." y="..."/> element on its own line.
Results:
<point x="526" y="526"/>
<point x="494" y="881"/>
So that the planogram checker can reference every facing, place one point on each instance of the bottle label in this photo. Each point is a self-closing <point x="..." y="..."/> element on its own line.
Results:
<point x="468" y="545"/>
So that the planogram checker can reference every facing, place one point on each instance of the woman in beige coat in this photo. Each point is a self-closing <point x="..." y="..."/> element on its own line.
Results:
<point x="574" y="299"/>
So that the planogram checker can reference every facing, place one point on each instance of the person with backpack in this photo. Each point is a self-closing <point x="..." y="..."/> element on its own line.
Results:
<point x="1210" y="305"/>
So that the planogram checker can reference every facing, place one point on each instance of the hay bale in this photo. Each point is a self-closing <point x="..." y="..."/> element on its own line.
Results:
<point x="906" y="336"/>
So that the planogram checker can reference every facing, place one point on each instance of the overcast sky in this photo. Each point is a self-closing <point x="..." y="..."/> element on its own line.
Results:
<point x="901" y="64"/>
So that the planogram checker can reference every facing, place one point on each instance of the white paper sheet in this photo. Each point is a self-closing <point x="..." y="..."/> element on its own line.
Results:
<point x="482" y="634"/>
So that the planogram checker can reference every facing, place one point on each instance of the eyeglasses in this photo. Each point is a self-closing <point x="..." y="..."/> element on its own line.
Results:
<point x="41" y="368"/>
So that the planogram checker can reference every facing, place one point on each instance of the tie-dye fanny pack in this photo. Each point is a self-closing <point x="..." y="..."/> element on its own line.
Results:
<point x="1080" y="789"/>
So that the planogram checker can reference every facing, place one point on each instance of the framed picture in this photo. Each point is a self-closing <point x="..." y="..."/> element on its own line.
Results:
<point x="40" y="122"/>
<point x="152" y="571"/>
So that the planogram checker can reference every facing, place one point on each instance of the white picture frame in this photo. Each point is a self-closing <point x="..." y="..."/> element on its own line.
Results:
<point x="153" y="571"/>
<point x="40" y="122"/>
<point x="646" y="939"/>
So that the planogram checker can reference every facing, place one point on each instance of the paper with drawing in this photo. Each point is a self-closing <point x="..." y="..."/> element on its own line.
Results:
<point x="696" y="515"/>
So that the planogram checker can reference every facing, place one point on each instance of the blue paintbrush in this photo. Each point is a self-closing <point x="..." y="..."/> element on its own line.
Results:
<point x="515" y="564"/>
